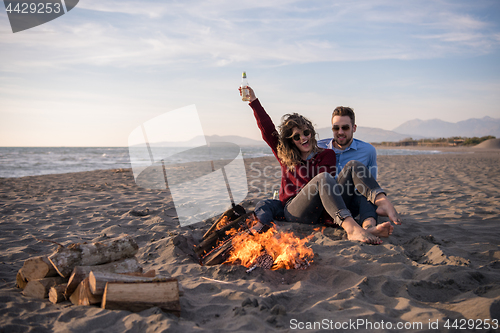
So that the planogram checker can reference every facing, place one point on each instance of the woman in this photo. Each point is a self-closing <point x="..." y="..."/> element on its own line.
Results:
<point x="309" y="192"/>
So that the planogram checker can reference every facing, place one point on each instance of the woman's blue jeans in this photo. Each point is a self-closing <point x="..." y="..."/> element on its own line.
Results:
<point x="353" y="193"/>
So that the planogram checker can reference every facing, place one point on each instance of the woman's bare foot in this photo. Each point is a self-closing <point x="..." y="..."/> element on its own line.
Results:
<point x="385" y="208"/>
<point x="356" y="233"/>
<point x="382" y="230"/>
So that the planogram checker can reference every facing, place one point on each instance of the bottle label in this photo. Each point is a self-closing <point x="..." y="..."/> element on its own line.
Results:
<point x="276" y="195"/>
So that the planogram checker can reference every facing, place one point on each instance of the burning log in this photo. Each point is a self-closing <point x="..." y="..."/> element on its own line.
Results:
<point x="217" y="237"/>
<point x="269" y="249"/>
<point x="228" y="216"/>
<point x="219" y="254"/>
<point x="286" y="250"/>
<point x="264" y="260"/>
<point x="65" y="259"/>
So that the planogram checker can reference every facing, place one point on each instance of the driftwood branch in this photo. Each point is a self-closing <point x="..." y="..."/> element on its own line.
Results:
<point x="49" y="241"/>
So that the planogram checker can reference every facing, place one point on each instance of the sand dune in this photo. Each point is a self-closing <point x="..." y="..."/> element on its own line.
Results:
<point x="489" y="144"/>
<point x="442" y="265"/>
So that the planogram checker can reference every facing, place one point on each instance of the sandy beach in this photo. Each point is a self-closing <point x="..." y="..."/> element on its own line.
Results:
<point x="440" y="267"/>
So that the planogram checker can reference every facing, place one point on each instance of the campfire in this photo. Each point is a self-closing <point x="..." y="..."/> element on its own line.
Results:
<point x="231" y="241"/>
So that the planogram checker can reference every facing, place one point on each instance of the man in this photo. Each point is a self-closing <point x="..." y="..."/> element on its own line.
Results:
<point x="267" y="210"/>
<point x="347" y="148"/>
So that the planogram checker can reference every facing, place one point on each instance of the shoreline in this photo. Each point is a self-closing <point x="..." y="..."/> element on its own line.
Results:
<point x="439" y="150"/>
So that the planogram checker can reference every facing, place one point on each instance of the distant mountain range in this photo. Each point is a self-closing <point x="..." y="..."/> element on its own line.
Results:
<point x="416" y="129"/>
<point x="369" y="134"/>
<point x="419" y="129"/>
<point x="436" y="128"/>
<point x="199" y="141"/>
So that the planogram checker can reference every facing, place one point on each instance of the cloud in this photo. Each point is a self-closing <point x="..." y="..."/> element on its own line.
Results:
<point x="148" y="9"/>
<point x="222" y="33"/>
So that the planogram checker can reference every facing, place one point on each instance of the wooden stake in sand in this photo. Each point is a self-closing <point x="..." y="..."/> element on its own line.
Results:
<point x="129" y="265"/>
<point x="65" y="259"/>
<point x="40" y="288"/>
<point x="140" y="296"/>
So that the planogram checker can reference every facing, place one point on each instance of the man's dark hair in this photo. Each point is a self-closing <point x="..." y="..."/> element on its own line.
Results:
<point x="344" y="111"/>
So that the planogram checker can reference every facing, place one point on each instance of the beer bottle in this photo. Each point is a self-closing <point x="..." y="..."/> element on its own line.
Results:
<point x="245" y="93"/>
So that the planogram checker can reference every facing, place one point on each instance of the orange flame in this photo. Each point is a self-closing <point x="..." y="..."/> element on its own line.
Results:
<point x="222" y="223"/>
<point x="286" y="250"/>
<point x="320" y="229"/>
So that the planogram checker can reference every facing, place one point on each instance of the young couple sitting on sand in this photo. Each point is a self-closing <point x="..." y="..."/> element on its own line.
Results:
<point x="318" y="188"/>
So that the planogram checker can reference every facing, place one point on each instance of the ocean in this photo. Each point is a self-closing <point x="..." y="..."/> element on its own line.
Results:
<point x="26" y="161"/>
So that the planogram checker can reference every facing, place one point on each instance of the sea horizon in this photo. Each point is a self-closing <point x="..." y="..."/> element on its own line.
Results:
<point x="18" y="162"/>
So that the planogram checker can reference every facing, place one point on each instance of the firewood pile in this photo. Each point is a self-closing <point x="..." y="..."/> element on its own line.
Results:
<point x="103" y="273"/>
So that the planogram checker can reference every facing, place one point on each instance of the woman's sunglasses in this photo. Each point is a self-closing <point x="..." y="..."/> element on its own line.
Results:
<point x="296" y="137"/>
<point x="344" y="127"/>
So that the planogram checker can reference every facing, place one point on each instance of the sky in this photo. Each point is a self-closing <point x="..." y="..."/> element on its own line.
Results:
<point x="93" y="75"/>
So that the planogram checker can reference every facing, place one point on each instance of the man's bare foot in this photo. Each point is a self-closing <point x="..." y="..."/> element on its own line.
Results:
<point x="382" y="230"/>
<point x="356" y="233"/>
<point x="385" y="208"/>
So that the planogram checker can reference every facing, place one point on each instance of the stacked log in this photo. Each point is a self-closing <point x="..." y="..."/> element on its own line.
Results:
<point x="105" y="273"/>
<point x="40" y="288"/>
<point x="56" y="293"/>
<point x="148" y="292"/>
<point x="35" y="269"/>
<point x="129" y="265"/>
<point x="162" y="294"/>
<point x="65" y="259"/>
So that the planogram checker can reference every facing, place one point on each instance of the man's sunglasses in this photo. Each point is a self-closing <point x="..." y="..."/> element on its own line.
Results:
<point x="344" y="127"/>
<point x="296" y="137"/>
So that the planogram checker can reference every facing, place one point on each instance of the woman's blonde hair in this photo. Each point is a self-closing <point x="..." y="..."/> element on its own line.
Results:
<point x="288" y="152"/>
